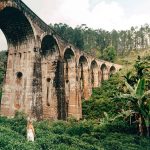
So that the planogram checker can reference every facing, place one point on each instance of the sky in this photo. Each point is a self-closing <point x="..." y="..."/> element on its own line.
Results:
<point x="105" y="14"/>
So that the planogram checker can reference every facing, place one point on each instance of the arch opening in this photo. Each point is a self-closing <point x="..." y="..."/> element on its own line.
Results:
<point x="112" y="70"/>
<point x="70" y="78"/>
<point x="94" y="74"/>
<point x="19" y="35"/>
<point x="83" y="75"/>
<point x="104" y="72"/>
<point x="15" y="26"/>
<point x="83" y="60"/>
<point x="49" y="45"/>
<point x="53" y="69"/>
<point x="69" y="54"/>
<point x="3" y="45"/>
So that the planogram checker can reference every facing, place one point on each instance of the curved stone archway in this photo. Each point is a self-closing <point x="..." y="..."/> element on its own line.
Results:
<point x="15" y="26"/>
<point x="20" y="39"/>
<point x="104" y="71"/>
<point x="112" y="70"/>
<point x="52" y="79"/>
<point x="94" y="74"/>
<point x="84" y="77"/>
<point x="70" y="75"/>
<point x="49" y="46"/>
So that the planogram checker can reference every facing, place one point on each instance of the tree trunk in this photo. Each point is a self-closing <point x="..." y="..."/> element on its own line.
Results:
<point x="147" y="127"/>
<point x="140" y="126"/>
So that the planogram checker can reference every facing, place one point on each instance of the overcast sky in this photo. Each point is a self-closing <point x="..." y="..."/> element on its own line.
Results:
<point x="105" y="14"/>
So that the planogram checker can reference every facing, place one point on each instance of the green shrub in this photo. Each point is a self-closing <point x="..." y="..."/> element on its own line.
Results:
<point x="83" y="135"/>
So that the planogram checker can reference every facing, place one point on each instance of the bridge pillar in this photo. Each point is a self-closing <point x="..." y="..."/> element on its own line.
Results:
<point x="20" y="81"/>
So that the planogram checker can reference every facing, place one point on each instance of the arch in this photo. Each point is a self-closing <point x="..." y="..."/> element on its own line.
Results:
<point x="104" y="71"/>
<point x="94" y="74"/>
<point x="112" y="70"/>
<point x="94" y="64"/>
<point x="69" y="54"/>
<point x="70" y="80"/>
<point x="103" y="66"/>
<point x="49" y="45"/>
<point x="15" y="26"/>
<point x="53" y="69"/>
<point x="83" y="76"/>
<point x="83" y="60"/>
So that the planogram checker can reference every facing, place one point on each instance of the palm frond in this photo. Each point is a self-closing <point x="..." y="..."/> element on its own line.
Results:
<point x="140" y="88"/>
<point x="130" y="88"/>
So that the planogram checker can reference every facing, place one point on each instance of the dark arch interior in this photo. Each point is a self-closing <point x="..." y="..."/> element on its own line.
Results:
<point x="83" y="60"/>
<point x="49" y="45"/>
<point x="94" y="64"/>
<point x="69" y="54"/>
<point x="112" y="70"/>
<point x="103" y="67"/>
<point x="93" y="67"/>
<point x="15" y="26"/>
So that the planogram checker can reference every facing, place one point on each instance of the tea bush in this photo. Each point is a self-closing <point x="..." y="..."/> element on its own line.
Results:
<point x="60" y="135"/>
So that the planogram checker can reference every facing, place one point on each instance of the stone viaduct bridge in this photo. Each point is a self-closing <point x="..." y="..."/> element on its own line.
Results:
<point x="46" y="76"/>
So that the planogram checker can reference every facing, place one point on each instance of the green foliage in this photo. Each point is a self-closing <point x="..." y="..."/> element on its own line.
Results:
<point x="109" y="54"/>
<point x="104" y="99"/>
<point x="3" y="59"/>
<point x="88" y="39"/>
<point x="138" y="95"/>
<point x="83" y="135"/>
<point x="0" y="95"/>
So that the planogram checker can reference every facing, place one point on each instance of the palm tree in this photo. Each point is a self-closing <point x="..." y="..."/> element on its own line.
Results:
<point x="139" y="102"/>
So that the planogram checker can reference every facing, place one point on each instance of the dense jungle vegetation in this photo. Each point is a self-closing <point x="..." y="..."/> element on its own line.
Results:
<point x="116" y="117"/>
<point x="3" y="59"/>
<point x="96" y="42"/>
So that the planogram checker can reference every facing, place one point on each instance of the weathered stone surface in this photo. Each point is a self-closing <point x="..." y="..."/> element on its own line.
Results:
<point x="46" y="76"/>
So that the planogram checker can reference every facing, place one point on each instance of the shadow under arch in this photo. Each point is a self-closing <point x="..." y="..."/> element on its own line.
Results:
<point x="84" y="76"/>
<point x="53" y="85"/>
<point x="104" y="71"/>
<point x="49" y="46"/>
<point x="112" y="70"/>
<point x="15" y="26"/>
<point x="69" y="54"/>
<point x="94" y="74"/>
<point x="73" y="103"/>
<point x="69" y="63"/>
